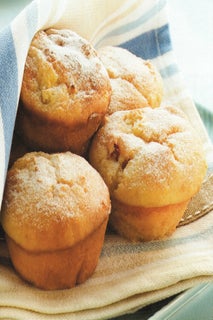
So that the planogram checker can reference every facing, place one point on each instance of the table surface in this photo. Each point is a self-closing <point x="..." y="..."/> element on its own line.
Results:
<point x="191" y="27"/>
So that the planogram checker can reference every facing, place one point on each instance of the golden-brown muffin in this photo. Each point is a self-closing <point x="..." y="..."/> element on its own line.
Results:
<point x="153" y="163"/>
<point x="54" y="213"/>
<point x="65" y="92"/>
<point x="135" y="82"/>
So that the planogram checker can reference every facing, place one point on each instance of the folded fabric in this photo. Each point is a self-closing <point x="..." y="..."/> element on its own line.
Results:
<point x="129" y="275"/>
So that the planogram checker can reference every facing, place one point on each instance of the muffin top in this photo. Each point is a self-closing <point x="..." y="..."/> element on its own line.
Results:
<point x="149" y="157"/>
<point x="135" y="82"/>
<point x="64" y="80"/>
<point x="53" y="201"/>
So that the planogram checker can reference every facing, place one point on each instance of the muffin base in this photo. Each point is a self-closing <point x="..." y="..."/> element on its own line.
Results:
<point x="49" y="136"/>
<point x="61" y="269"/>
<point x="145" y="224"/>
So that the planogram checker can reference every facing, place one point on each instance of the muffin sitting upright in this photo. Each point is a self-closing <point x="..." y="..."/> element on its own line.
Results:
<point x="54" y="213"/>
<point x="65" y="92"/>
<point x="135" y="82"/>
<point x="153" y="163"/>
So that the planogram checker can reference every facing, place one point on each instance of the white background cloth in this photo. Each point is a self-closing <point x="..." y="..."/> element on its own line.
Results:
<point x="191" y="25"/>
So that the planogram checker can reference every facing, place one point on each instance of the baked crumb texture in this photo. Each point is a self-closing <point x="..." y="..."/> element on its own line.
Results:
<point x="151" y="159"/>
<point x="144" y="159"/>
<point x="51" y="210"/>
<point x="136" y="83"/>
<point x="65" y="93"/>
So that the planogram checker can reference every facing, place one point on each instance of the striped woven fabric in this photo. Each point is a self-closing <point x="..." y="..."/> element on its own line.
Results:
<point x="128" y="276"/>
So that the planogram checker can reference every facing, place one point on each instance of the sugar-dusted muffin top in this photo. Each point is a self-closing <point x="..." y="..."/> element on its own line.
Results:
<point x="135" y="82"/>
<point x="53" y="201"/>
<point x="149" y="157"/>
<point x="64" y="80"/>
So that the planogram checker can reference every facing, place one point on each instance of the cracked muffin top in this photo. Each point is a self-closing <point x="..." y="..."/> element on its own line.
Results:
<point x="64" y="79"/>
<point x="53" y="201"/>
<point x="149" y="157"/>
<point x="135" y="82"/>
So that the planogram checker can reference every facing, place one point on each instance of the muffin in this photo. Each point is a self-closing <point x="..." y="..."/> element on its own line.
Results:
<point x="135" y="82"/>
<point x="153" y="163"/>
<point x="65" y="93"/>
<point x="54" y="214"/>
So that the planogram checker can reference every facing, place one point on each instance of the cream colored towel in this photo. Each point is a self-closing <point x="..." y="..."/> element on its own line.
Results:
<point x="129" y="276"/>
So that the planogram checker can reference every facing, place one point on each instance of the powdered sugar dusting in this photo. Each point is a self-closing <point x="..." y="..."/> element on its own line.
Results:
<point x="49" y="194"/>
<point x="141" y="74"/>
<point x="149" y="157"/>
<point x="60" y="60"/>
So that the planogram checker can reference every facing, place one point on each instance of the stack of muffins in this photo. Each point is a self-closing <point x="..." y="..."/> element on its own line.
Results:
<point x="93" y="147"/>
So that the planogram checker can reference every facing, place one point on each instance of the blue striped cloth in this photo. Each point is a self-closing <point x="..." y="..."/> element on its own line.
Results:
<point x="142" y="27"/>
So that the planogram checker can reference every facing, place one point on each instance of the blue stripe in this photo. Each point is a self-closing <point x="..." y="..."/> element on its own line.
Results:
<point x="8" y="87"/>
<point x="9" y="76"/>
<point x="128" y="27"/>
<point x="130" y="247"/>
<point x="151" y="44"/>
